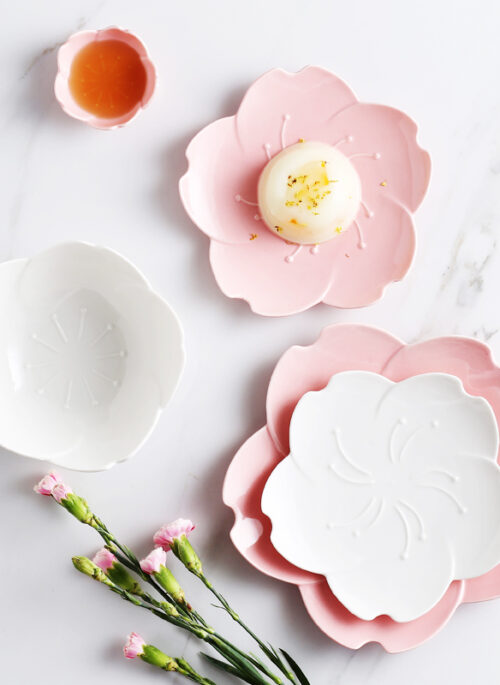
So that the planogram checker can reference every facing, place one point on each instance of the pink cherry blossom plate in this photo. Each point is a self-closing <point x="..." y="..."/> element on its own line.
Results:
<point x="219" y="192"/>
<point x="456" y="371"/>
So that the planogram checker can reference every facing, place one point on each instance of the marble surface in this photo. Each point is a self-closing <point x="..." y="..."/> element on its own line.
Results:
<point x="60" y="180"/>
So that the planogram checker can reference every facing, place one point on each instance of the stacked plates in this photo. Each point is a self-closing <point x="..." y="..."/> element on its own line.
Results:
<point x="375" y="485"/>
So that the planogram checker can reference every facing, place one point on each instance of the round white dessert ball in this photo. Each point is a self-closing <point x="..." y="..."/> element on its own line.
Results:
<point x="309" y="193"/>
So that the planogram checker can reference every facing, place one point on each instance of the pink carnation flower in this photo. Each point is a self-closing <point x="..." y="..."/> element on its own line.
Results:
<point x="60" y="492"/>
<point x="155" y="559"/>
<point x="171" y="531"/>
<point x="134" y="646"/>
<point x="104" y="559"/>
<point x="47" y="484"/>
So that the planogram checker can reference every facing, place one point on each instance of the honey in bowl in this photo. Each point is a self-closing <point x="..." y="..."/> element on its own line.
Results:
<point x="107" y="78"/>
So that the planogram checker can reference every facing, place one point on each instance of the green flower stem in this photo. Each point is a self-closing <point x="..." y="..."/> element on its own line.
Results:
<point x="128" y="559"/>
<point x="246" y="669"/>
<point x="191" y="674"/>
<point x="245" y="666"/>
<point x="240" y="661"/>
<point x="188" y="671"/>
<point x="155" y="657"/>
<point x="270" y="653"/>
<point x="182" y="608"/>
<point x="209" y="635"/>
<point x="220" y="639"/>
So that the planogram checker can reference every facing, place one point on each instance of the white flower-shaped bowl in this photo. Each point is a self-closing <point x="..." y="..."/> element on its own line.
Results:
<point x="89" y="357"/>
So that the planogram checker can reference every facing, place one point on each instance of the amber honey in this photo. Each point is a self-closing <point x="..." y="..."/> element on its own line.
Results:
<point x="107" y="78"/>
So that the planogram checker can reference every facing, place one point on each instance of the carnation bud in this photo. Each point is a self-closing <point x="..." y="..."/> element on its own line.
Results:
<point x="170" y="584"/>
<point x="78" y="507"/>
<point x="184" y="551"/>
<point x="155" y="657"/>
<point x="88" y="568"/>
<point x="119" y="575"/>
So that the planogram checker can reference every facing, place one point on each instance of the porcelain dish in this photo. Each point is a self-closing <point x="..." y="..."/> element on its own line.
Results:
<point x="391" y="491"/>
<point x="65" y="58"/>
<point x="373" y="143"/>
<point x="463" y="377"/>
<point x="90" y="355"/>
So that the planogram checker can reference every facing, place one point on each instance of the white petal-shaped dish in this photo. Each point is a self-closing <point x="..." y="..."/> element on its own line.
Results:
<point x="89" y="356"/>
<point x="391" y="491"/>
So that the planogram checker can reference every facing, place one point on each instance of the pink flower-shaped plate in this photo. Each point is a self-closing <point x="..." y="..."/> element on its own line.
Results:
<point x="67" y="53"/>
<point x="219" y="192"/>
<point x="345" y="347"/>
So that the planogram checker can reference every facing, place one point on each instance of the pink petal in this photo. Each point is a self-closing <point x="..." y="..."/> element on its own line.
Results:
<point x="104" y="559"/>
<point x="484" y="587"/>
<point x="343" y="627"/>
<point x="134" y="646"/>
<point x="259" y="273"/>
<point x="243" y="485"/>
<point x="61" y="492"/>
<point x="153" y="562"/>
<point x="47" y="484"/>
<point x="469" y="360"/>
<point x="311" y="98"/>
<point x="227" y="157"/>
<point x="170" y="531"/>
<point x="402" y="165"/>
<point x="359" y="276"/>
<point x="300" y="369"/>
<point x="218" y="172"/>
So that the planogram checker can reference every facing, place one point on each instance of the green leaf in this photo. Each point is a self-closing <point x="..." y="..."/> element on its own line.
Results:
<point x="296" y="668"/>
<point x="218" y="663"/>
<point x="241" y="662"/>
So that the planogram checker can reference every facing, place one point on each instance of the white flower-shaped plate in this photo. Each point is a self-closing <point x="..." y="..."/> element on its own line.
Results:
<point x="391" y="491"/>
<point x="89" y="356"/>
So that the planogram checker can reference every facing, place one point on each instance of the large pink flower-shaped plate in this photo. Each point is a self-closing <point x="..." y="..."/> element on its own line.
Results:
<point x="344" y="347"/>
<point x="219" y="192"/>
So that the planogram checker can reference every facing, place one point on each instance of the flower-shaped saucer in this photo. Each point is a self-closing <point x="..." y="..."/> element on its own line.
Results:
<point x="391" y="491"/>
<point x="90" y="355"/>
<point x="453" y="377"/>
<point x="65" y="57"/>
<point x="220" y="193"/>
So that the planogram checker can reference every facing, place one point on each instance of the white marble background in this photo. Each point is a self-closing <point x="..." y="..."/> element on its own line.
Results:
<point x="436" y="59"/>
